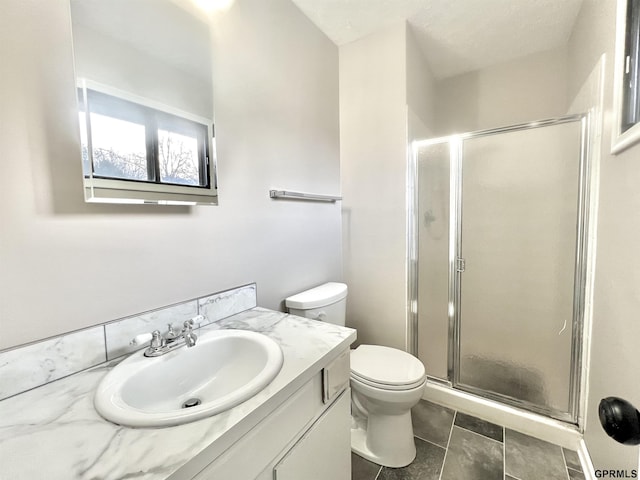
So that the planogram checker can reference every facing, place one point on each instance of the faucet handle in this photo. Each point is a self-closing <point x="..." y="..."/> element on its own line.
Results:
<point x="157" y="340"/>
<point x="141" y="339"/>
<point x="171" y="334"/>
<point x="190" y="338"/>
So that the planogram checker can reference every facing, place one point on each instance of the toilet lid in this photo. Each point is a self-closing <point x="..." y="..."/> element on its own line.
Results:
<point x="386" y="366"/>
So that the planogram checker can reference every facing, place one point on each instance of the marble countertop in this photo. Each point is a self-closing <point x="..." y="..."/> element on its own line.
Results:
<point x="53" y="432"/>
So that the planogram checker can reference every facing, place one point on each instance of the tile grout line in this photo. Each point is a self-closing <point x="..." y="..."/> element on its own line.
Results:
<point x="480" y="434"/>
<point x="446" y="450"/>
<point x="486" y="436"/>
<point x="505" y="458"/>
<point x="379" y="472"/>
<point x="566" y="467"/>
<point x="504" y="453"/>
<point x="429" y="441"/>
<point x="106" y="349"/>
<point x="504" y="437"/>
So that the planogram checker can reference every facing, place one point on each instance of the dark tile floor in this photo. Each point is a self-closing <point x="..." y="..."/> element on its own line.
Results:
<point x="453" y="446"/>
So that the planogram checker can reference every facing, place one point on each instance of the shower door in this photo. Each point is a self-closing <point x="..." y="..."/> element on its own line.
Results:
<point x="514" y="250"/>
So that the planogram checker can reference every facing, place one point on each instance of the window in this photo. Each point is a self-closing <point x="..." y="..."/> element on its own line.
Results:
<point x="627" y="82"/>
<point x="133" y="142"/>
<point x="631" y="103"/>
<point x="136" y="150"/>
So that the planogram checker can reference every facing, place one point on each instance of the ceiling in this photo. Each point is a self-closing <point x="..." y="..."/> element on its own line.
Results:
<point x="456" y="36"/>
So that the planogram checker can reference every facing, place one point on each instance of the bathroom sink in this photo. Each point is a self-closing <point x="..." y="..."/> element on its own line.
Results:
<point x="224" y="368"/>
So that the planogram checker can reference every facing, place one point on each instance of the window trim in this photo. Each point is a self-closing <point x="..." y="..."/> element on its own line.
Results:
<point x="621" y="140"/>
<point x="100" y="189"/>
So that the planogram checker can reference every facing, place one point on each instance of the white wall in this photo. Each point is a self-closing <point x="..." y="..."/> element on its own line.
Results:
<point x="613" y="368"/>
<point x="386" y="100"/>
<point x="373" y="142"/>
<point x="146" y="62"/>
<point x="137" y="73"/>
<point x="420" y="90"/>
<point x="65" y="265"/>
<point x="529" y="88"/>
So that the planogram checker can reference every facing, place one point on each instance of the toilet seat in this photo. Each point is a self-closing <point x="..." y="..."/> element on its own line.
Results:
<point x="386" y="368"/>
<point x="384" y="386"/>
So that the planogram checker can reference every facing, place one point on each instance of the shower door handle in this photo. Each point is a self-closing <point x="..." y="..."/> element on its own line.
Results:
<point x="461" y="265"/>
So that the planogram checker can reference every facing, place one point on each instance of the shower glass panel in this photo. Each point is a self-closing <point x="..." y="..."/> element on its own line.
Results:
<point x="433" y="258"/>
<point x="518" y="241"/>
<point x="499" y="221"/>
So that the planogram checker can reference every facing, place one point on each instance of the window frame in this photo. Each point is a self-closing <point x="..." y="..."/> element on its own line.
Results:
<point x="625" y="134"/>
<point x="100" y="188"/>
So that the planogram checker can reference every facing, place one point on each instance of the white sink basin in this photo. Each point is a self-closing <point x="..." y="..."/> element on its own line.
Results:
<point x="224" y="368"/>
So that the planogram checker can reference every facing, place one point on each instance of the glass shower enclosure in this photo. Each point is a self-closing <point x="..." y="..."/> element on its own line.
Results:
<point x="497" y="281"/>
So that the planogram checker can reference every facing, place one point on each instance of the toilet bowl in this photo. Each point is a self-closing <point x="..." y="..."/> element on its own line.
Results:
<point x="385" y="384"/>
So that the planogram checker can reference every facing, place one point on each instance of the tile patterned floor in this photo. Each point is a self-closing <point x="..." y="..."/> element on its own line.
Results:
<point x="453" y="446"/>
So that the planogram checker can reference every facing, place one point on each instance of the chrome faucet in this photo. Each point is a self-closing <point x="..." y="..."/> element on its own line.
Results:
<point x="164" y="343"/>
<point x="189" y="337"/>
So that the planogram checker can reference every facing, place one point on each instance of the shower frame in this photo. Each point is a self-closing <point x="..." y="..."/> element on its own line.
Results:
<point x="573" y="416"/>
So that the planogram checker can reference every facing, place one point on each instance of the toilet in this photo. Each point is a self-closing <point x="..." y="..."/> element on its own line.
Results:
<point x="385" y="383"/>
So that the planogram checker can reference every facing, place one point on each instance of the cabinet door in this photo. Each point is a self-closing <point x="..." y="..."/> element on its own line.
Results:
<point x="324" y="452"/>
<point x="267" y="441"/>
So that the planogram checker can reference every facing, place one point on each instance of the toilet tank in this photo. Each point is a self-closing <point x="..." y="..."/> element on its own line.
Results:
<point x="326" y="303"/>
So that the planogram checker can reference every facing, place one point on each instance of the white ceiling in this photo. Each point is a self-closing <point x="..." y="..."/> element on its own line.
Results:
<point x="456" y="36"/>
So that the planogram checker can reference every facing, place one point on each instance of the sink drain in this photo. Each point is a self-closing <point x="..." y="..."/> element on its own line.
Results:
<point x="192" y="402"/>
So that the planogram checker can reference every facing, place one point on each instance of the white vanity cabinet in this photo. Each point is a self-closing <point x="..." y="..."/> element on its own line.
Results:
<point x="307" y="437"/>
<point x="324" y="451"/>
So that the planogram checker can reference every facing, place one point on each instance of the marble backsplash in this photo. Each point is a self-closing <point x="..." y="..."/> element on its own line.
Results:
<point x="26" y="367"/>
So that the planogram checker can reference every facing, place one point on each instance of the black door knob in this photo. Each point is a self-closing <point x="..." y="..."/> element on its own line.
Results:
<point x="620" y="420"/>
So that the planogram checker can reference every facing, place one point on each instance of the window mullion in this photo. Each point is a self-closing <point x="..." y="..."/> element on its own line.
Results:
<point x="631" y="103"/>
<point x="204" y="157"/>
<point x="634" y="108"/>
<point x="153" y="156"/>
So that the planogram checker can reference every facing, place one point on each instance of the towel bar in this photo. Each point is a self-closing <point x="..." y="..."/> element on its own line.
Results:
<point x="303" y="196"/>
